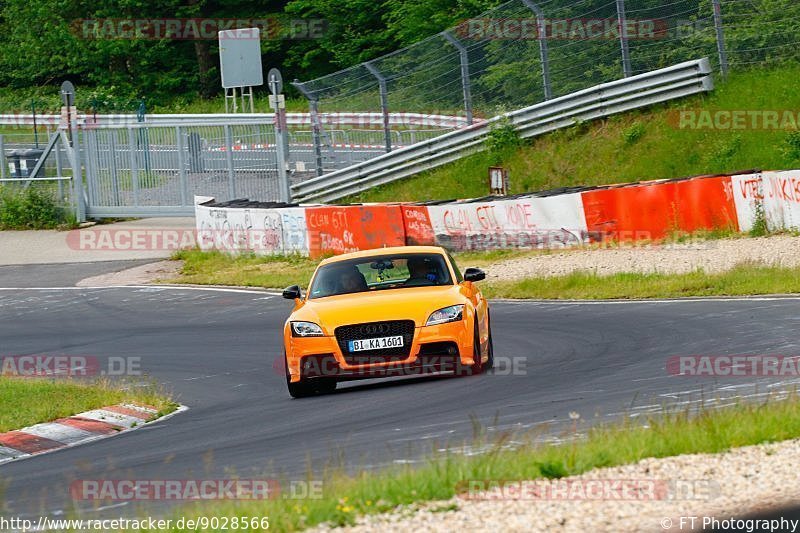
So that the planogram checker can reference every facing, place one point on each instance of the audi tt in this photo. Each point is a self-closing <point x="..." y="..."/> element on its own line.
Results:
<point x="385" y="312"/>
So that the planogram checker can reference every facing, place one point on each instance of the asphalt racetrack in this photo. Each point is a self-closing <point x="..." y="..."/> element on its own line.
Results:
<point x="215" y="350"/>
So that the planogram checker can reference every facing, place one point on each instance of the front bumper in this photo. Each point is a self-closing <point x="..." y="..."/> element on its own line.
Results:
<point x="321" y="357"/>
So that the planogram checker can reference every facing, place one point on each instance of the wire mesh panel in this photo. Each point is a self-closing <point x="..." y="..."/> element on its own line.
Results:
<point x="20" y="153"/>
<point x="666" y="34"/>
<point x="150" y="166"/>
<point x="426" y="76"/>
<point x="525" y="51"/>
<point x="760" y="31"/>
<point x="11" y="142"/>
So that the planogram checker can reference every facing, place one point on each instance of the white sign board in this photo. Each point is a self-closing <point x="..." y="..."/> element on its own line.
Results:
<point x="240" y="58"/>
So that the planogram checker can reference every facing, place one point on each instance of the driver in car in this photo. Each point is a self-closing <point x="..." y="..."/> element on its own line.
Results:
<point x="420" y="273"/>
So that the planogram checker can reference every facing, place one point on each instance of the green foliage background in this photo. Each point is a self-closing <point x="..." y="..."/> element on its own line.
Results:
<point x="41" y="45"/>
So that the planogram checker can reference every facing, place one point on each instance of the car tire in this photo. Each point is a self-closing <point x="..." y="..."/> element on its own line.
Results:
<point x="489" y="364"/>
<point x="478" y="364"/>
<point x="325" y="386"/>
<point x="299" y="389"/>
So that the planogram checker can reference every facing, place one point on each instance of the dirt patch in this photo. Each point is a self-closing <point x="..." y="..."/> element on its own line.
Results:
<point x="140" y="275"/>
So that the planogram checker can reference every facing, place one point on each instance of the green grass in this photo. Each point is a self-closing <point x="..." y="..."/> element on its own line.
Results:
<point x="669" y="434"/>
<point x="630" y="147"/>
<point x="216" y="268"/>
<point x="33" y="208"/>
<point x="280" y="271"/>
<point x="28" y="401"/>
<point x="246" y="270"/>
<point x="742" y="280"/>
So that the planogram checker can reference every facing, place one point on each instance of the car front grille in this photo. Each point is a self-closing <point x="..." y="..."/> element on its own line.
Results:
<point x="370" y="330"/>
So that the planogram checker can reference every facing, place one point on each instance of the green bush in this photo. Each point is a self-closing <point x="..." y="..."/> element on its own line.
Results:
<point x="791" y="147"/>
<point x="502" y="140"/>
<point x="31" y="208"/>
<point x="632" y="134"/>
<point x="760" y="228"/>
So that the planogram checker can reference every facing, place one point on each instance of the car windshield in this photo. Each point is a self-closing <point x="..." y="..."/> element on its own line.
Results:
<point x="375" y="273"/>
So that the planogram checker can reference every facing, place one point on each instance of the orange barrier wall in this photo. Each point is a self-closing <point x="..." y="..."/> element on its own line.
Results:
<point x="706" y="203"/>
<point x="628" y="212"/>
<point x="417" y="224"/>
<point x="343" y="229"/>
<point x="652" y="211"/>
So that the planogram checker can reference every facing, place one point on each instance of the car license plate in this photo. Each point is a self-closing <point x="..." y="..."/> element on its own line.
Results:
<point x="375" y="344"/>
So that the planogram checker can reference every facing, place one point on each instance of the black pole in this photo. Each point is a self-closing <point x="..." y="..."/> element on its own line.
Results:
<point x="35" y="129"/>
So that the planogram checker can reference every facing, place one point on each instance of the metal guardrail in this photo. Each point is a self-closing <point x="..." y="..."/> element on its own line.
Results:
<point x="677" y="81"/>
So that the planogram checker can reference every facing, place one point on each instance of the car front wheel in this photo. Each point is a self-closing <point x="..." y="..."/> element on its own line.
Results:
<point x="299" y="389"/>
<point x="490" y="349"/>
<point x="303" y="389"/>
<point x="478" y="365"/>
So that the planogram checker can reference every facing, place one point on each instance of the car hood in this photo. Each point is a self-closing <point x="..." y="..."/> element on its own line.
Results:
<point x="414" y="303"/>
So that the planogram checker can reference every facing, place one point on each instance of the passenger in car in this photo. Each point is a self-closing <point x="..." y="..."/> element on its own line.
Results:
<point x="352" y="280"/>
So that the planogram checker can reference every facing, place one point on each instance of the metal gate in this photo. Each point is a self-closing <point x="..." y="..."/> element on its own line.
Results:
<point x="147" y="170"/>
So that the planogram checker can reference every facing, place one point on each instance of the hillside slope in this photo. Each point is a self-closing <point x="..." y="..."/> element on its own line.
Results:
<point x="635" y="146"/>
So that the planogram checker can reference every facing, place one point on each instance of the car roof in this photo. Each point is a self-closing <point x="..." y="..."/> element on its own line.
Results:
<point x="385" y="251"/>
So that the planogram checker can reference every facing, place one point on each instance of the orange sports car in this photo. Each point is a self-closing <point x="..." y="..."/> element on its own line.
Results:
<point x="385" y="312"/>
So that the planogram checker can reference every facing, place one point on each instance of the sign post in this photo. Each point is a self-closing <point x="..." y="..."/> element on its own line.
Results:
<point x="278" y="104"/>
<point x="69" y="111"/>
<point x="240" y="65"/>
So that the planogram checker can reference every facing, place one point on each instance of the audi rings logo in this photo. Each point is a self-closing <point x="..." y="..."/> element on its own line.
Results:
<point x="373" y="329"/>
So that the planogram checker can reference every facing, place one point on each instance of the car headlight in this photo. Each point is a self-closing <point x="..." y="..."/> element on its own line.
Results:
<point x="306" y="329"/>
<point x="448" y="314"/>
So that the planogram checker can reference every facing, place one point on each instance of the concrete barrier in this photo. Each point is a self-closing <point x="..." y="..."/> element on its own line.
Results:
<point x="638" y="211"/>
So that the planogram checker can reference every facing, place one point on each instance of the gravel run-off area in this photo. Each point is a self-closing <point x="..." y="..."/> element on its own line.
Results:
<point x="674" y="258"/>
<point x="651" y="495"/>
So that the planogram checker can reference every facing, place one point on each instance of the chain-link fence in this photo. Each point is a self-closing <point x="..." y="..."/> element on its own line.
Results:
<point x="19" y="154"/>
<point x="134" y="168"/>
<point x="527" y="51"/>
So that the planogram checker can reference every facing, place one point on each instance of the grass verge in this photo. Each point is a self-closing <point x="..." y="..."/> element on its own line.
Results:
<point x="28" y="401"/>
<point x="245" y="270"/>
<point x="745" y="279"/>
<point x="672" y="433"/>
<point x="280" y="271"/>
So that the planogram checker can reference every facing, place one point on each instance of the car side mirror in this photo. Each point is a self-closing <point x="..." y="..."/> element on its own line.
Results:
<point x="292" y="293"/>
<point x="474" y="274"/>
